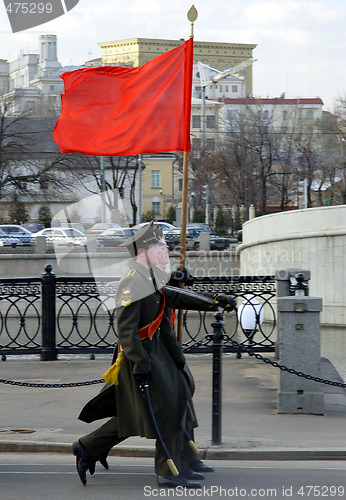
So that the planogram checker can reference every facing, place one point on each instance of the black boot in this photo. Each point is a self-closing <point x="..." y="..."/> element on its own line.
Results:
<point x="199" y="466"/>
<point x="84" y="461"/>
<point x="191" y="474"/>
<point x="174" y="481"/>
<point x="103" y="461"/>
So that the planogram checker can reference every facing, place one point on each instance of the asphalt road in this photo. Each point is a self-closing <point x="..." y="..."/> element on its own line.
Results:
<point x="52" y="477"/>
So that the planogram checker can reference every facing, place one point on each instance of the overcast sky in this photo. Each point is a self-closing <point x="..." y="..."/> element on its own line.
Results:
<point x="301" y="45"/>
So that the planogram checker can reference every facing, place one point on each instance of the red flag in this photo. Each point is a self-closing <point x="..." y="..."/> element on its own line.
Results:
<point x="117" y="111"/>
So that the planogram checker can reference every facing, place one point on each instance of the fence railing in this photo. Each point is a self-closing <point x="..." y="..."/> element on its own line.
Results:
<point x="51" y="315"/>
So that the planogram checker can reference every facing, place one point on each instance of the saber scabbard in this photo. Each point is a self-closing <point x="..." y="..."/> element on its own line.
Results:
<point x="191" y="443"/>
<point x="152" y="419"/>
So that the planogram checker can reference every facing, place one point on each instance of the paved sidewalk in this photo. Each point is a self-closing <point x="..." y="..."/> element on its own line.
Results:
<point x="36" y="419"/>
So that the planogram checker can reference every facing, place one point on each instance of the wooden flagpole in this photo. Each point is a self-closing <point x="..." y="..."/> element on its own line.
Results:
<point x="192" y="16"/>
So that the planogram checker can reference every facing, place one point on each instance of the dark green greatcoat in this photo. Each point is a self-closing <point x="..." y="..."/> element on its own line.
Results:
<point x="138" y="303"/>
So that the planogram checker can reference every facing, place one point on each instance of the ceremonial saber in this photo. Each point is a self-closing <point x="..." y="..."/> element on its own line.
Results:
<point x="170" y="463"/>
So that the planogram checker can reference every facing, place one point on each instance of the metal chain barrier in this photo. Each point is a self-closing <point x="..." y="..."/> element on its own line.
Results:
<point x="52" y="386"/>
<point x="284" y="368"/>
<point x="241" y="347"/>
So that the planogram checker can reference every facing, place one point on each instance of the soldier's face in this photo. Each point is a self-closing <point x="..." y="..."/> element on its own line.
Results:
<point x="152" y="253"/>
<point x="162" y="255"/>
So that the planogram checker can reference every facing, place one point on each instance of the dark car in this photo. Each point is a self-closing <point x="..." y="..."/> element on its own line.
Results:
<point x="18" y="232"/>
<point x="216" y="242"/>
<point x="172" y="239"/>
<point x="33" y="227"/>
<point x="113" y="236"/>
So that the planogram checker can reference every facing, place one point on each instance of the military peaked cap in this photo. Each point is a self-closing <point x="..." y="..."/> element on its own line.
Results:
<point x="142" y="239"/>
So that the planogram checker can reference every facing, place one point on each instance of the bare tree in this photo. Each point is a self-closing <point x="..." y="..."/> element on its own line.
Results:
<point x="30" y="161"/>
<point x="120" y="173"/>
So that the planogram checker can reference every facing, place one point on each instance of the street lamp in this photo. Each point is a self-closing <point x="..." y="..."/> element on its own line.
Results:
<point x="250" y="316"/>
<point x="205" y="197"/>
<point x="162" y="196"/>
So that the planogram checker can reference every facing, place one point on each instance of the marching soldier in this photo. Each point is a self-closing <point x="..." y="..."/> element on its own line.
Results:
<point x="191" y="461"/>
<point x="147" y="356"/>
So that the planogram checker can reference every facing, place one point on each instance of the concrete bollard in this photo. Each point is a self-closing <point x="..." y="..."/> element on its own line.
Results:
<point x="283" y="284"/>
<point x="92" y="243"/>
<point x="40" y="245"/>
<point x="299" y="348"/>
<point x="204" y="241"/>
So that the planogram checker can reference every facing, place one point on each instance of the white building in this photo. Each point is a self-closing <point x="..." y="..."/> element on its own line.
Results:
<point x="31" y="82"/>
<point x="228" y="87"/>
<point x="283" y="113"/>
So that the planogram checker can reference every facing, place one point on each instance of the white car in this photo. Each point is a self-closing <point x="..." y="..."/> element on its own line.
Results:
<point x="9" y="241"/>
<point x="63" y="236"/>
<point x="166" y="226"/>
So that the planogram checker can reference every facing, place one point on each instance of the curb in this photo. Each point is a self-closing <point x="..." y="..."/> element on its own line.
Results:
<point x="212" y="453"/>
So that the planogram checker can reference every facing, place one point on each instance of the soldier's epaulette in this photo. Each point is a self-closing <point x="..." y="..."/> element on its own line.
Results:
<point x="131" y="272"/>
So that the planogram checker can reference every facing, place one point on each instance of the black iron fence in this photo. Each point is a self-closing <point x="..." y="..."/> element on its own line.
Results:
<point x="51" y="315"/>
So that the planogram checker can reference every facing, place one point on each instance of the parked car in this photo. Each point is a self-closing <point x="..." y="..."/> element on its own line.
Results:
<point x="101" y="227"/>
<point x="166" y="226"/>
<point x="9" y="241"/>
<point x="200" y="226"/>
<point x="113" y="236"/>
<point x="33" y="227"/>
<point x="172" y="239"/>
<point x="218" y="242"/>
<point x="63" y="236"/>
<point x="75" y="225"/>
<point x="18" y="232"/>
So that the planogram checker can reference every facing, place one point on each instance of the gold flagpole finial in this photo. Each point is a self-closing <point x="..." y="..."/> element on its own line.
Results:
<point x="192" y="16"/>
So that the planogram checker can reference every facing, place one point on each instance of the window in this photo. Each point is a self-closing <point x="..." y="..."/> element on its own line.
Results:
<point x="284" y="115"/>
<point x="195" y="144"/>
<point x="210" y="144"/>
<point x="155" y="179"/>
<point x="30" y="106"/>
<point x="210" y="121"/>
<point x="226" y="89"/>
<point x="220" y="88"/>
<point x="234" y="88"/>
<point x="196" y="121"/>
<point x="198" y="89"/>
<point x="309" y="115"/>
<point x="44" y="184"/>
<point x="156" y="207"/>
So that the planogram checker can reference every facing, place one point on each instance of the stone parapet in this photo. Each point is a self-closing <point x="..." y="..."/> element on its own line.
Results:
<point x="313" y="239"/>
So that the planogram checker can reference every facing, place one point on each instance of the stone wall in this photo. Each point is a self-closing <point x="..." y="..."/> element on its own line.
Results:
<point x="313" y="239"/>
<point x="199" y="263"/>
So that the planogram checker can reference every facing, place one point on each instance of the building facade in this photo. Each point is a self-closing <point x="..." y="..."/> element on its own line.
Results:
<point x="284" y="114"/>
<point x="31" y="82"/>
<point x="138" y="51"/>
<point x="159" y="190"/>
